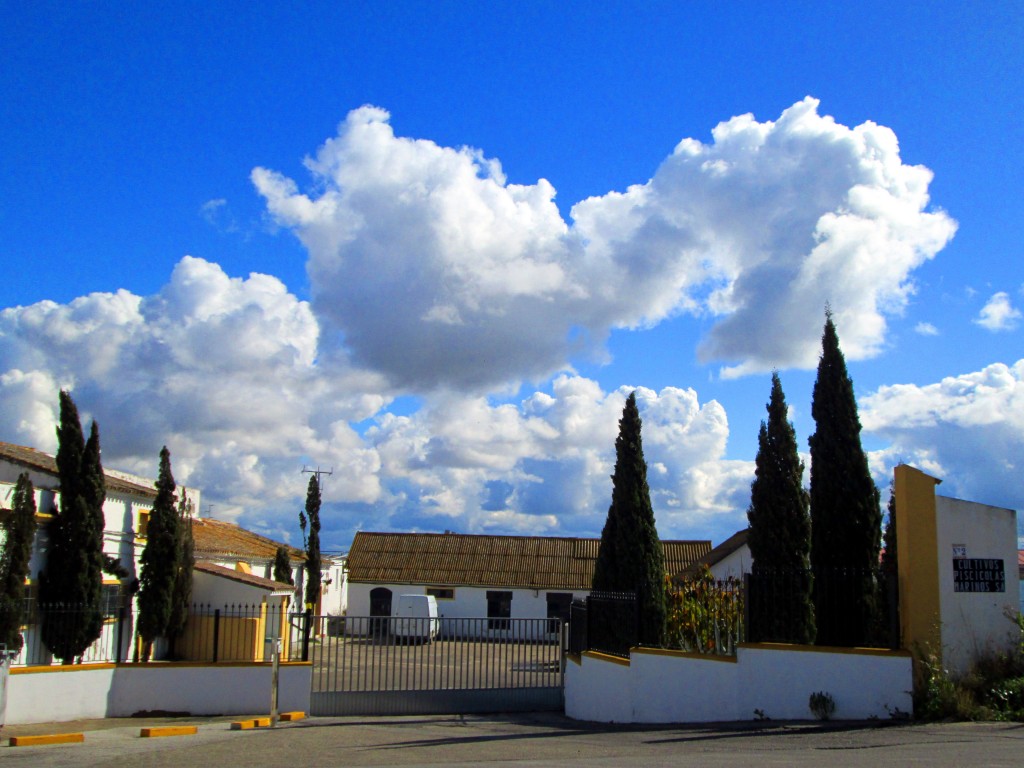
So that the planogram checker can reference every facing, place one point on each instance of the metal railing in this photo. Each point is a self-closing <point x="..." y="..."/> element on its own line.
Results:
<point x="390" y="665"/>
<point x="212" y="633"/>
<point x="837" y="606"/>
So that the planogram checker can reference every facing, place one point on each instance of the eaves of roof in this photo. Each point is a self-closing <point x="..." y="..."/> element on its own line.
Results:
<point x="30" y="458"/>
<point x="276" y="587"/>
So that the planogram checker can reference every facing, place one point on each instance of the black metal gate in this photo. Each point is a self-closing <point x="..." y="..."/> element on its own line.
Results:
<point x="374" y="666"/>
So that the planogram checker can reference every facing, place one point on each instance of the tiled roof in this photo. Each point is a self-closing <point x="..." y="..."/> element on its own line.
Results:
<point x="30" y="458"/>
<point x="243" y="578"/>
<point x="216" y="538"/>
<point x="452" y="559"/>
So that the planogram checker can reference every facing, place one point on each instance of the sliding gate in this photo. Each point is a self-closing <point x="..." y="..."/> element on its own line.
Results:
<point x="378" y="665"/>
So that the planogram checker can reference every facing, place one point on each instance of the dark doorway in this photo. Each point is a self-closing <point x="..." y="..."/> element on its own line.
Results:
<point x="380" y="607"/>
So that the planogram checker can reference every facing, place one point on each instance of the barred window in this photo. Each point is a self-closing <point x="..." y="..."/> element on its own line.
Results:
<point x="110" y="600"/>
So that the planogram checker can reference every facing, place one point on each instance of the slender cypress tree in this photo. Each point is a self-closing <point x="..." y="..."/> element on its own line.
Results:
<point x="780" y="530"/>
<point x="629" y="558"/>
<point x="71" y="584"/>
<point x="159" y="560"/>
<point x="19" y="533"/>
<point x="181" y="595"/>
<point x="888" y="584"/>
<point x="846" y="521"/>
<point x="312" y="516"/>
<point x="283" y="567"/>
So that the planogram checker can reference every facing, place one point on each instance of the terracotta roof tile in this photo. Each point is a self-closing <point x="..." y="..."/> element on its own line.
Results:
<point x="216" y="538"/>
<point x="452" y="559"/>
<point x="30" y="458"/>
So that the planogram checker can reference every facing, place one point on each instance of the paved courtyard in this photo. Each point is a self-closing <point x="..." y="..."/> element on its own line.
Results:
<point x="528" y="740"/>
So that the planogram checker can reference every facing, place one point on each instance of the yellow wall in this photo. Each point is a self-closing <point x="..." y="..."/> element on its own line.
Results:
<point x="917" y="537"/>
<point x="239" y="639"/>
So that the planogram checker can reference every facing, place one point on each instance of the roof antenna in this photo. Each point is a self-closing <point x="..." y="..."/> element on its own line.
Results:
<point x="318" y="472"/>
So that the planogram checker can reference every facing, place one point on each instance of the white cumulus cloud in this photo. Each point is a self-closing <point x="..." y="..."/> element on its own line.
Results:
<point x="433" y="270"/>
<point x="546" y="461"/>
<point x="998" y="314"/>
<point x="966" y="429"/>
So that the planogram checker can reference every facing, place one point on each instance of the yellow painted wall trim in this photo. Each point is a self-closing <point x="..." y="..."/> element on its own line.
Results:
<point x="166" y="665"/>
<point x="60" y="668"/>
<point x="682" y="654"/>
<point x="606" y="657"/>
<point x="824" y="649"/>
<point x="163" y="665"/>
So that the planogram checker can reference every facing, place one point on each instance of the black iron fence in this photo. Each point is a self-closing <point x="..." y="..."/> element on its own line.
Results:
<point x="608" y="622"/>
<point x="835" y="606"/>
<point x="212" y="633"/>
<point x="845" y="607"/>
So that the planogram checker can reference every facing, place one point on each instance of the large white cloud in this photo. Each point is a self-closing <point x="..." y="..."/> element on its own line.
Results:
<point x="768" y="223"/>
<point x="968" y="430"/>
<point x="544" y="464"/>
<point x="225" y="372"/>
<point x="431" y="274"/>
<point x="220" y="369"/>
<point x="437" y="273"/>
<point x="431" y="267"/>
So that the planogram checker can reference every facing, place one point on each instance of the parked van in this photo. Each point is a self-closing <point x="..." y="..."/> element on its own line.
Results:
<point x="416" y="618"/>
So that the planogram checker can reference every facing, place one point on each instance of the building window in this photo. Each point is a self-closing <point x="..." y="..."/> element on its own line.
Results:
<point x="110" y="600"/>
<point x="143" y="524"/>
<point x="499" y="610"/>
<point x="558" y="608"/>
<point x="441" y="593"/>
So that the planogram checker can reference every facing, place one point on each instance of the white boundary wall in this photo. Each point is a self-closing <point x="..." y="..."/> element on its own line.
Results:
<point x="59" y="694"/>
<point x="657" y="686"/>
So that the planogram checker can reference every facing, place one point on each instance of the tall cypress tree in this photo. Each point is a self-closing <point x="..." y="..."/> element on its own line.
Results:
<point x="780" y="530"/>
<point x="181" y="595"/>
<point x="845" y="515"/>
<point x="19" y="533"/>
<point x="312" y="517"/>
<point x="888" y="584"/>
<point x="159" y="560"/>
<point x="283" y="567"/>
<point x="629" y="558"/>
<point x="71" y="584"/>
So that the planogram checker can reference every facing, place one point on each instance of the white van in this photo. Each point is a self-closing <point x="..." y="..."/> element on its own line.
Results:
<point x="415" y="617"/>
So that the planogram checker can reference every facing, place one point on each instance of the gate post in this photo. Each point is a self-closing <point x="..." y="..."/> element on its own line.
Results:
<point x="120" y="630"/>
<point x="216" y="635"/>
<point x="306" y="630"/>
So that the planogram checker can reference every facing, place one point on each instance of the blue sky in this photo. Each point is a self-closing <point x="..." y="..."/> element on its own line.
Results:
<point x="455" y="340"/>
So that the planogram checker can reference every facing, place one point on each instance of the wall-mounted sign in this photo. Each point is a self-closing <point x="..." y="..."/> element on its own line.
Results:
<point x="978" y="574"/>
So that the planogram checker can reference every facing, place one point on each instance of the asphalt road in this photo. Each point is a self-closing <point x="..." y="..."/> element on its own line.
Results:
<point x="527" y="740"/>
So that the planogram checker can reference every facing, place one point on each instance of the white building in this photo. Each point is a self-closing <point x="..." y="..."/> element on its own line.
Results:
<point x="231" y="562"/>
<point x="497" y="577"/>
<point x="729" y="560"/>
